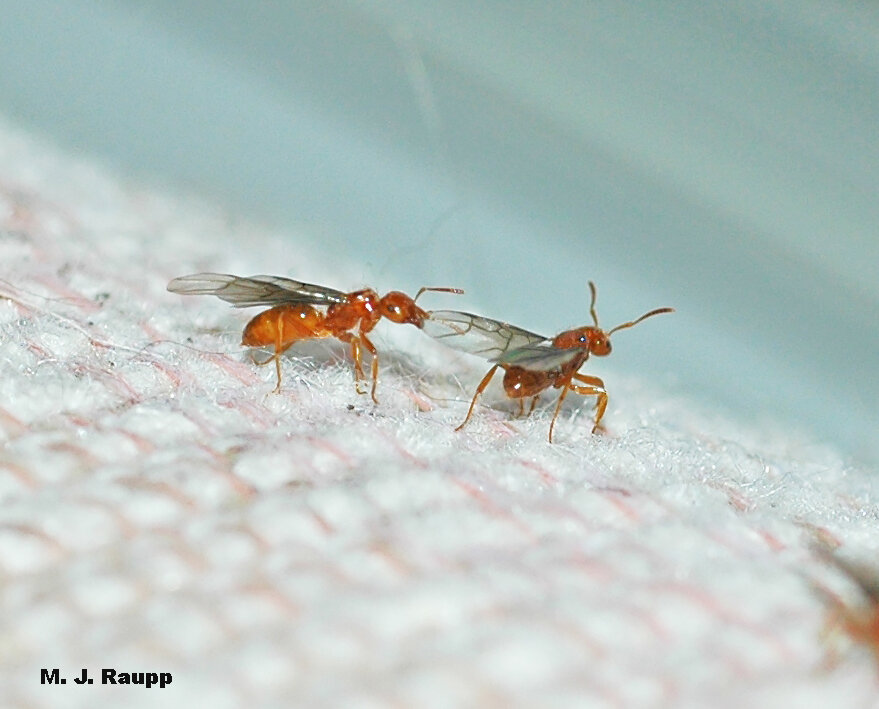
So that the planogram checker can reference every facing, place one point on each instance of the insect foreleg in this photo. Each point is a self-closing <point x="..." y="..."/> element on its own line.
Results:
<point x="595" y="387"/>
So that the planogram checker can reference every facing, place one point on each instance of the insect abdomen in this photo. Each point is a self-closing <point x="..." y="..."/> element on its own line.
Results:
<point x="283" y="325"/>
<point x="519" y="382"/>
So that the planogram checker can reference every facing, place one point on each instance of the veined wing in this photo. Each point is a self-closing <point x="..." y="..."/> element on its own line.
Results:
<point x="477" y="335"/>
<point x="255" y="290"/>
<point x="539" y="357"/>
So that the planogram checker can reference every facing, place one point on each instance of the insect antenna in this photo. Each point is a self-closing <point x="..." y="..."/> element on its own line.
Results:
<point x="457" y="291"/>
<point x="643" y="317"/>
<point x="592" y="304"/>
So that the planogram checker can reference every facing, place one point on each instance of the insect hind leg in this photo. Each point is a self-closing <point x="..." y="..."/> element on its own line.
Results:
<point x="481" y="388"/>
<point x="276" y="358"/>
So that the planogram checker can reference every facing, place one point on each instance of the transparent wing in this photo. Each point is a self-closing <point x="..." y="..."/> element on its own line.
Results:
<point x="255" y="290"/>
<point x="539" y="357"/>
<point x="477" y="335"/>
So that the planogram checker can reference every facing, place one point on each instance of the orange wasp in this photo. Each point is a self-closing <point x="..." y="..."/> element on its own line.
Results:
<point x="532" y="363"/>
<point x="302" y="311"/>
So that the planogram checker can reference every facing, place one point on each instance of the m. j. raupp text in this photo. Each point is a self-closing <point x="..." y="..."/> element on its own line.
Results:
<point x="110" y="676"/>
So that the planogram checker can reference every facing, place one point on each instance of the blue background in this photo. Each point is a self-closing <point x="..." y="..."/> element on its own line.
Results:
<point x="718" y="157"/>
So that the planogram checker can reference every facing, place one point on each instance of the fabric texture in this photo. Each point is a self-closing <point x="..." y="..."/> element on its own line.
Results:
<point x="161" y="510"/>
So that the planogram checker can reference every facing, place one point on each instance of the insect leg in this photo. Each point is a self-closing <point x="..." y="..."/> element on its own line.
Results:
<point x="595" y="388"/>
<point x="279" y="348"/>
<point x="481" y="388"/>
<point x="276" y="358"/>
<point x="558" y="407"/>
<point x="371" y="347"/>
<point x="522" y="413"/>
<point x="356" y="353"/>
<point x="533" y="404"/>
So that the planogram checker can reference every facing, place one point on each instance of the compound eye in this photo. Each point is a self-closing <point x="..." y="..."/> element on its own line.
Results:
<point x="394" y="313"/>
<point x="583" y="338"/>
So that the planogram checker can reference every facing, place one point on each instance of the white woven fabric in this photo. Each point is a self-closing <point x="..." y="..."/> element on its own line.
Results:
<point x="162" y="511"/>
